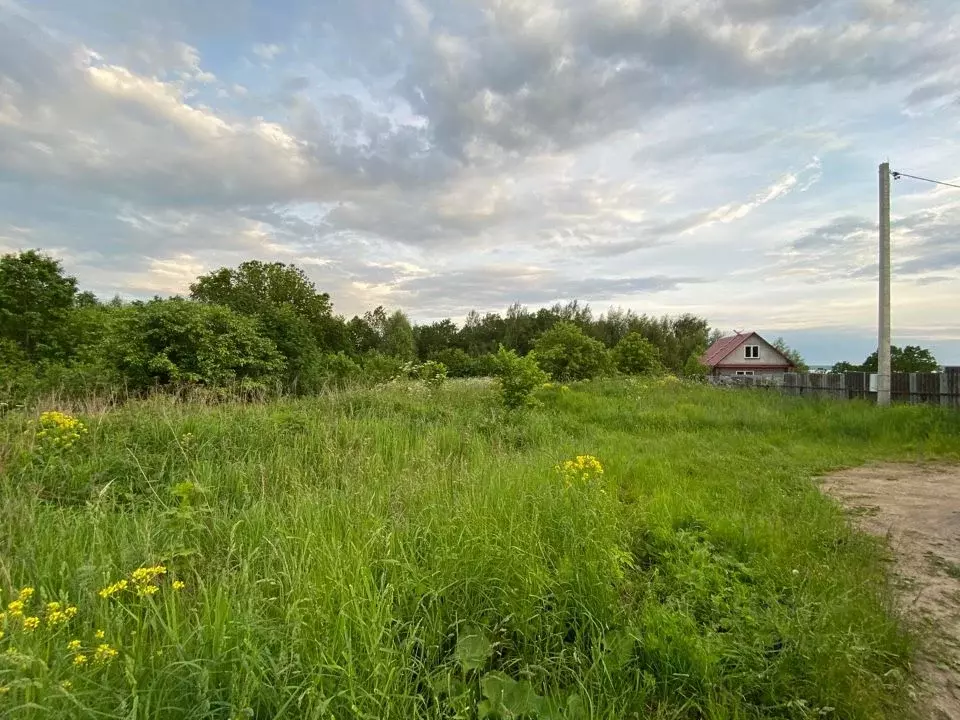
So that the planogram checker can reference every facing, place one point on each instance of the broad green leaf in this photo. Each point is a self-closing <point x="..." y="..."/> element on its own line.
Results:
<point x="473" y="650"/>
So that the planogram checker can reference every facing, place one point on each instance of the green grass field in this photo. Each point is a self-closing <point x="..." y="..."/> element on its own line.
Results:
<point x="405" y="553"/>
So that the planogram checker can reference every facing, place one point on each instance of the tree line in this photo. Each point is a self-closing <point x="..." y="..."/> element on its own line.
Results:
<point x="265" y="326"/>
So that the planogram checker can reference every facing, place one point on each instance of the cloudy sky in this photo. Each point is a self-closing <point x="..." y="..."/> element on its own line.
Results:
<point x="709" y="156"/>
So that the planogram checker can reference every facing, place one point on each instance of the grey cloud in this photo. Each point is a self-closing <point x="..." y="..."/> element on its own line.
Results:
<point x="590" y="69"/>
<point x="487" y="287"/>
<point x="833" y="235"/>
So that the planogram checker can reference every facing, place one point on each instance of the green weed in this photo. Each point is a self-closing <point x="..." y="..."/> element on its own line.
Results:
<point x="391" y="553"/>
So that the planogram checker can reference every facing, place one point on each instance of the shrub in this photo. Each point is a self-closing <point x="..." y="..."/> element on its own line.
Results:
<point x="380" y="368"/>
<point x="431" y="372"/>
<point x="519" y="377"/>
<point x="635" y="355"/>
<point x="169" y="342"/>
<point x="567" y="353"/>
<point x="694" y="369"/>
<point x="457" y="362"/>
<point x="336" y="371"/>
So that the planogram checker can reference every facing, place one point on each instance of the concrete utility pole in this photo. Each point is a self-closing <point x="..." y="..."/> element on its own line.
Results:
<point x="883" y="345"/>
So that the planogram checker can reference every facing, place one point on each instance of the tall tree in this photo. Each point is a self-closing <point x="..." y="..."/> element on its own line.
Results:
<point x="36" y="298"/>
<point x="911" y="358"/>
<point x="792" y="355"/>
<point x="398" y="338"/>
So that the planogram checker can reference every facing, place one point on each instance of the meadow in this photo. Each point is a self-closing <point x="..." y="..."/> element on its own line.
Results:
<point x="630" y="549"/>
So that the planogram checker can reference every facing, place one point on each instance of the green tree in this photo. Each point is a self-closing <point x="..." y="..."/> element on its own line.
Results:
<point x="567" y="353"/>
<point x="434" y="338"/>
<point x="518" y="378"/>
<point x="845" y="367"/>
<point x="909" y="359"/>
<point x="164" y="342"/>
<point x="792" y="355"/>
<point x="254" y="284"/>
<point x="635" y="355"/>
<point x="694" y="368"/>
<point x="36" y="299"/>
<point x="398" y="337"/>
<point x="298" y="319"/>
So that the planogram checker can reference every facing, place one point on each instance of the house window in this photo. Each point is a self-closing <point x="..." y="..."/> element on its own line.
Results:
<point x="745" y="373"/>
<point x="751" y="352"/>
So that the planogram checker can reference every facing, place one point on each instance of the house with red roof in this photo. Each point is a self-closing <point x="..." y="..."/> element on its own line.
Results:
<point x="745" y="354"/>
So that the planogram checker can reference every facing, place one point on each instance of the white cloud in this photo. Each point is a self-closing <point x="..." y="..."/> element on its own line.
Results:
<point x="267" y="52"/>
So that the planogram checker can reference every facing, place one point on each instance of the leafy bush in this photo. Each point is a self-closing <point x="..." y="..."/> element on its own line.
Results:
<point x="694" y="369"/>
<point x="567" y="353"/>
<point x="635" y="355"/>
<point x="519" y="377"/>
<point x="169" y="342"/>
<point x="335" y="371"/>
<point x="380" y="368"/>
<point x="485" y="365"/>
<point x="457" y="362"/>
<point x="431" y="372"/>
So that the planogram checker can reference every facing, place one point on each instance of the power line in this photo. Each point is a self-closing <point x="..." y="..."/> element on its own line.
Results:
<point x="898" y="175"/>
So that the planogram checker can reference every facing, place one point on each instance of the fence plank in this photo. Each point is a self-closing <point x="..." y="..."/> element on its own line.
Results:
<point x="916" y="388"/>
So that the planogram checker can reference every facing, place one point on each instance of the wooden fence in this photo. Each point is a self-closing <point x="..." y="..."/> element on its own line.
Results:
<point x="941" y="388"/>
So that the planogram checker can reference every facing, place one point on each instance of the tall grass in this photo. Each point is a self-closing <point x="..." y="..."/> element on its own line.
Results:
<point x="405" y="553"/>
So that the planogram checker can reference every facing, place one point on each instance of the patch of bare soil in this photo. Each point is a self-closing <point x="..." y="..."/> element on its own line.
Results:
<point x="917" y="507"/>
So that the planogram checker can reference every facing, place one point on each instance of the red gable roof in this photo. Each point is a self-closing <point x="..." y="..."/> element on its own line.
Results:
<point x="723" y="347"/>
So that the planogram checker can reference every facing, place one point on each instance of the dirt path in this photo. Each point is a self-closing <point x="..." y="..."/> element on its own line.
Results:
<point x="918" y="508"/>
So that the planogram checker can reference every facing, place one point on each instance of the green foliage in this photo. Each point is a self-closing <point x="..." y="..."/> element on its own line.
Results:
<point x="291" y="313"/>
<point x="380" y="368"/>
<point x="335" y="370"/>
<point x="694" y="369"/>
<point x="845" y="367"/>
<point x="431" y="372"/>
<point x="518" y="378"/>
<point x="255" y="285"/>
<point x="383" y="553"/>
<point x="909" y="359"/>
<point x="635" y="355"/>
<point x="171" y="342"/>
<point x="457" y="362"/>
<point x="566" y="353"/>
<point x="398" y="338"/>
<point x="792" y="355"/>
<point x="35" y="300"/>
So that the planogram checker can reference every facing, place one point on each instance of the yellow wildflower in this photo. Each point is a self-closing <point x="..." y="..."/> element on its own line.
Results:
<point x="144" y="575"/>
<point x="73" y="645"/>
<point x="104" y="653"/>
<point x="3" y="616"/>
<point x="15" y="607"/>
<point x="99" y="634"/>
<point x="25" y="594"/>
<point x="582" y="468"/>
<point x="145" y="590"/>
<point x="71" y="611"/>
<point x="179" y="585"/>
<point x="80" y="659"/>
<point x="111" y="590"/>
<point x="31" y="623"/>
<point x="53" y="607"/>
<point x="66" y="685"/>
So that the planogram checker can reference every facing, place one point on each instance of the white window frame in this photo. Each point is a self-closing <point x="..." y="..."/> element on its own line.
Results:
<point x="745" y="373"/>
<point x="747" y="354"/>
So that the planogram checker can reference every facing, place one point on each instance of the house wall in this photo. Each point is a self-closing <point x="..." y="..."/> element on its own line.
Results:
<point x="757" y="372"/>
<point x="769" y="355"/>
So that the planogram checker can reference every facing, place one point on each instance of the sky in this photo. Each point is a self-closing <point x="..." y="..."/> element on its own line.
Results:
<point x="717" y="157"/>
